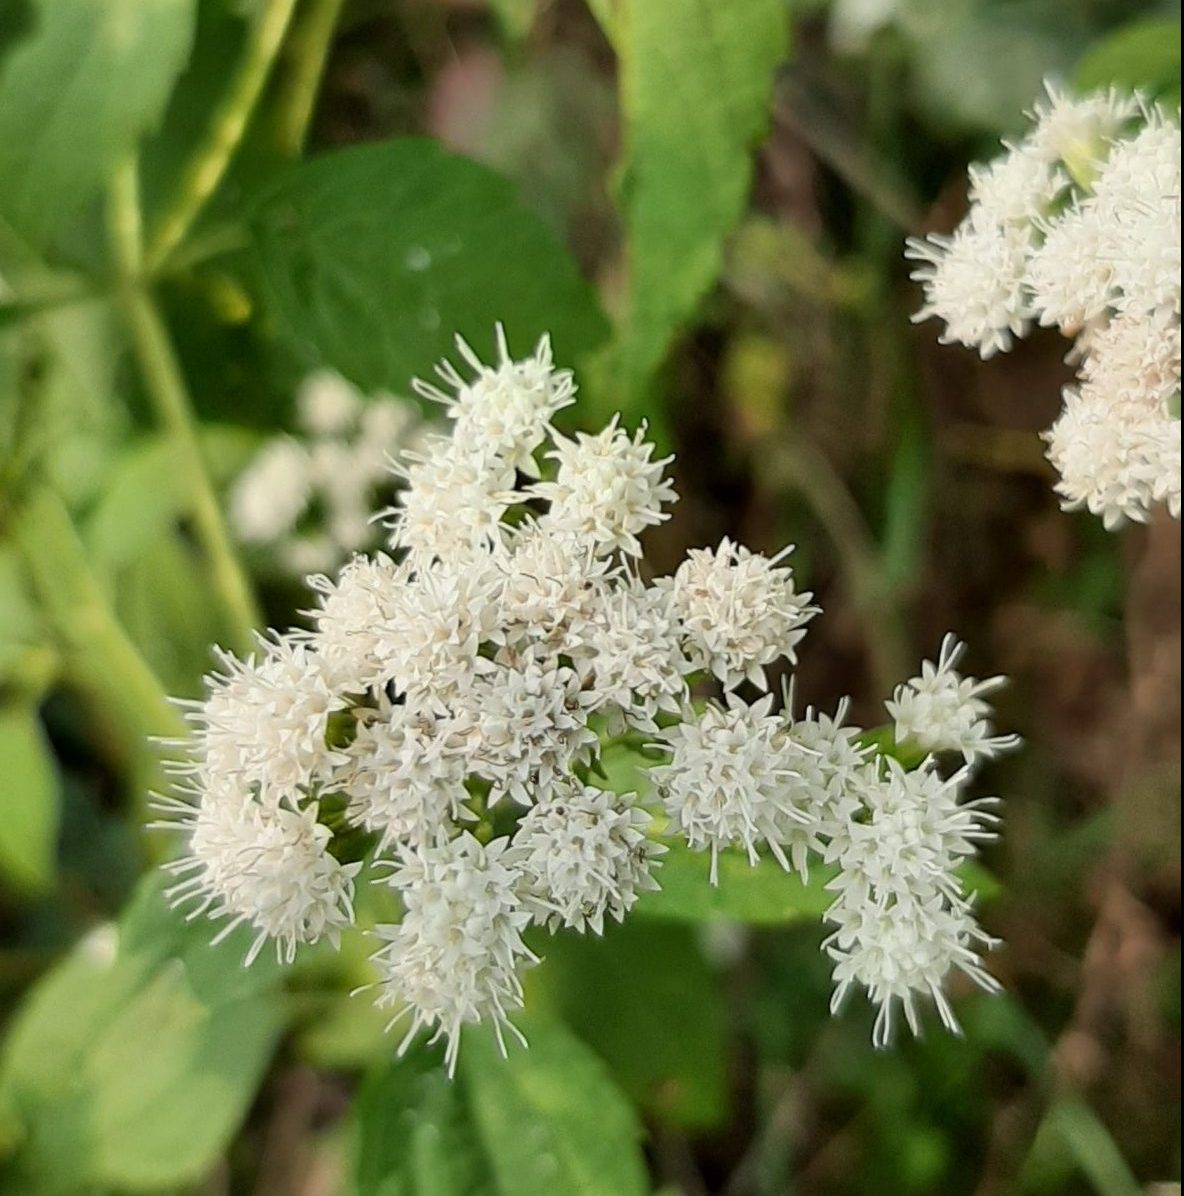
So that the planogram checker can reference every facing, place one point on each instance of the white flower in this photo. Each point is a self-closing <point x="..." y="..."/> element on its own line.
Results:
<point x="828" y="769"/>
<point x="356" y="609"/>
<point x="327" y="405"/>
<point x="942" y="711"/>
<point x="974" y="283"/>
<point x="1017" y="188"/>
<point x="1071" y="273"/>
<point x="902" y="947"/>
<point x="726" y="782"/>
<point x="454" y="958"/>
<point x="911" y="836"/>
<point x="504" y="411"/>
<point x="632" y="658"/>
<point x="1115" y="461"/>
<point x="527" y="725"/>
<point x="272" y="492"/>
<point x="268" y="868"/>
<point x="550" y="589"/>
<point x="607" y="490"/>
<point x="1076" y="130"/>
<point x="262" y="724"/>
<point x="405" y="775"/>
<point x="453" y="503"/>
<point x="585" y="854"/>
<point x="739" y="610"/>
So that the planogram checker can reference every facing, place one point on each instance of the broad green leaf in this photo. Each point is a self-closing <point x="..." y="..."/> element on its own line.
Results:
<point x="145" y="492"/>
<point x="1143" y="55"/>
<point x="695" y="85"/>
<point x="645" y="999"/>
<point x="131" y="1064"/>
<point x="372" y="258"/>
<point x="1072" y="1127"/>
<point x="545" y="1120"/>
<point x="550" y="1118"/>
<point x="760" y="895"/>
<point x="76" y="94"/>
<point x="416" y="1136"/>
<point x="29" y="810"/>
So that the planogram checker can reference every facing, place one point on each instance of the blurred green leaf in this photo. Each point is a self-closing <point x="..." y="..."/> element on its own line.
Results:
<point x="644" y="998"/>
<point x="760" y="895"/>
<point x="515" y="16"/>
<point x="695" y="85"/>
<point x="29" y="826"/>
<point x="145" y="492"/>
<point x="373" y="257"/>
<point x="1071" y="1130"/>
<point x="75" y="96"/>
<point x="546" y="1120"/>
<point x="550" y="1117"/>
<point x="1144" y="55"/>
<point x="131" y="1064"/>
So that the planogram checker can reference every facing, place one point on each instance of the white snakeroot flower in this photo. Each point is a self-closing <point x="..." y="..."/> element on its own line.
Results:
<point x="1116" y="462"/>
<point x="453" y="503"/>
<point x="262" y="724"/>
<point x="308" y="502"/>
<point x="607" y="489"/>
<point x="269" y="498"/>
<point x="446" y="710"/>
<point x="506" y="410"/>
<point x="327" y="405"/>
<point x="902" y="947"/>
<point x="527" y="725"/>
<point x="726" y="782"/>
<point x="268" y="868"/>
<point x="584" y="854"/>
<point x="942" y="711"/>
<point x="405" y="776"/>
<point x="974" y="283"/>
<point x="1098" y="255"/>
<point x="1076" y="131"/>
<point x="739" y="610"/>
<point x="828" y="768"/>
<point x="913" y="835"/>
<point x="453" y="960"/>
<point x="633" y="660"/>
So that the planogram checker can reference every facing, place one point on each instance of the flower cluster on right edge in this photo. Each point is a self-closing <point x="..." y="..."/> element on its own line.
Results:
<point x="441" y="729"/>
<point x="1077" y="226"/>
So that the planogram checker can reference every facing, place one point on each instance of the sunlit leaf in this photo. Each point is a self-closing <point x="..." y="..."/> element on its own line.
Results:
<point x="30" y="811"/>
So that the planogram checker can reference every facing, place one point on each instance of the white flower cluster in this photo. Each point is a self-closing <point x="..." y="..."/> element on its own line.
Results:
<point x="309" y="501"/>
<point x="445" y="722"/>
<point x="1077" y="226"/>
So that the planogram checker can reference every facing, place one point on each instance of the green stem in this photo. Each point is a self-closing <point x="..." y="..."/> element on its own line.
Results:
<point x="96" y="650"/>
<point x="166" y="390"/>
<point x="310" y="52"/>
<point x="207" y="167"/>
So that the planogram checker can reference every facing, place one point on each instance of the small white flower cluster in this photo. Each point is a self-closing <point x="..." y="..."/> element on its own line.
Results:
<point x="309" y="501"/>
<point x="1077" y="226"/>
<point x="446" y="718"/>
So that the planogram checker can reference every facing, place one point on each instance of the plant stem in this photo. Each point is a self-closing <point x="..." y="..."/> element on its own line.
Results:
<point x="207" y="167"/>
<point x="166" y="390"/>
<point x="310" y="52"/>
<point x="95" y="648"/>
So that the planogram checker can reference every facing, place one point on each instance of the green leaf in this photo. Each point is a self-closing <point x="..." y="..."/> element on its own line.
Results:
<point x="550" y="1118"/>
<point x="760" y="895"/>
<point x="545" y="1120"/>
<point x="645" y="1000"/>
<point x="29" y="826"/>
<point x="372" y="258"/>
<point x="132" y="1063"/>
<point x="145" y="492"/>
<point x="1144" y="56"/>
<point x="695" y="84"/>
<point x="76" y="95"/>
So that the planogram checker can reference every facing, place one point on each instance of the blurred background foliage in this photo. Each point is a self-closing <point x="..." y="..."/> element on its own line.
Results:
<point x="201" y="200"/>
